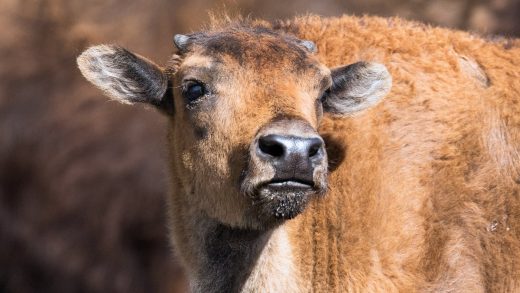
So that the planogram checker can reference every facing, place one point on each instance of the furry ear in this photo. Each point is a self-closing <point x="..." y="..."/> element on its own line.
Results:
<point x="357" y="87"/>
<point x="124" y="76"/>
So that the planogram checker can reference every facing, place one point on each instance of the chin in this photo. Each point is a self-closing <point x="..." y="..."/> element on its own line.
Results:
<point x="277" y="201"/>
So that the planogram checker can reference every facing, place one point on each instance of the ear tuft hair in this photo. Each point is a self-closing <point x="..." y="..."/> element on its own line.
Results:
<point x="122" y="75"/>
<point x="356" y="87"/>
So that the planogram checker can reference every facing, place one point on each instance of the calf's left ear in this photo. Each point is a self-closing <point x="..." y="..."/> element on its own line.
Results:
<point x="357" y="87"/>
<point x="124" y="76"/>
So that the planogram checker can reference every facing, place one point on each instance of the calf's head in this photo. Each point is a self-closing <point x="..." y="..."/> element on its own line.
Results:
<point x="244" y="105"/>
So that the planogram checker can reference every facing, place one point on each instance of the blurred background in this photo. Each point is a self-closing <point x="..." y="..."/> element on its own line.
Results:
<point x="82" y="179"/>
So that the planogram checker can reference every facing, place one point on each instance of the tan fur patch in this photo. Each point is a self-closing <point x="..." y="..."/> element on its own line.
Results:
<point x="502" y="148"/>
<point x="474" y="70"/>
<point x="274" y="270"/>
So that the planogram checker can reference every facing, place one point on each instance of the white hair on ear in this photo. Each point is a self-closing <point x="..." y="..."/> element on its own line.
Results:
<point x="357" y="86"/>
<point x="122" y="75"/>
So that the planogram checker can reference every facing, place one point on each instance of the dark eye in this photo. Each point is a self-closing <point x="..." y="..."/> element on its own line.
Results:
<point x="324" y="95"/>
<point x="194" y="90"/>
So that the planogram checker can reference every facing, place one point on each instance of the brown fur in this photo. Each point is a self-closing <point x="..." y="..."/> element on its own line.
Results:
<point x="427" y="197"/>
<point x="423" y="187"/>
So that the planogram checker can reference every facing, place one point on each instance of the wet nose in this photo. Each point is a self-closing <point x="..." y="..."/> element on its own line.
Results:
<point x="291" y="151"/>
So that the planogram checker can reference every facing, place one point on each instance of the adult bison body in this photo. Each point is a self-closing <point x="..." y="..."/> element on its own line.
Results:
<point x="298" y="165"/>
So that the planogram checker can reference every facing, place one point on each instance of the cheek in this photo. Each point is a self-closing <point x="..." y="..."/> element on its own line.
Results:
<point x="204" y="160"/>
<point x="210" y="142"/>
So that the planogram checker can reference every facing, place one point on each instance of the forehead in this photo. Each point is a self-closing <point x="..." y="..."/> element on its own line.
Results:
<point x="254" y="47"/>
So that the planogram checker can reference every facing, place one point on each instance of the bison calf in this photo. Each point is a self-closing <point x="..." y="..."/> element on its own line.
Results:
<point x="297" y="166"/>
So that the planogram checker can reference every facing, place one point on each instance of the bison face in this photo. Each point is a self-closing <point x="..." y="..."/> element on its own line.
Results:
<point x="244" y="106"/>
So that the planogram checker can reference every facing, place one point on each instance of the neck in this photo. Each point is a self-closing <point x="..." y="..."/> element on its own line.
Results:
<point x="241" y="260"/>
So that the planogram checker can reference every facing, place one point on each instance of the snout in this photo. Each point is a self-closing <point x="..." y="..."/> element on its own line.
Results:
<point x="292" y="157"/>
<point x="288" y="165"/>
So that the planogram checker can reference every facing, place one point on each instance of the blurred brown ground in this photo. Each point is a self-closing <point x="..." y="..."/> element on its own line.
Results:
<point x="83" y="180"/>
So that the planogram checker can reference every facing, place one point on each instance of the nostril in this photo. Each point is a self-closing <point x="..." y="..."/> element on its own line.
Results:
<point x="271" y="146"/>
<point x="314" y="147"/>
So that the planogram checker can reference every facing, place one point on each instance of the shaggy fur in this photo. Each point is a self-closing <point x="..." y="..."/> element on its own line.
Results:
<point x="427" y="195"/>
<point x="424" y="186"/>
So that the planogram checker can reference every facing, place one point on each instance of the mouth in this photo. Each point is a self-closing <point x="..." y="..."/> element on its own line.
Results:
<point x="289" y="184"/>
<point x="283" y="199"/>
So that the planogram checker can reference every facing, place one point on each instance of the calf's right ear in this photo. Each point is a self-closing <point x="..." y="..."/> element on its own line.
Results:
<point x="126" y="77"/>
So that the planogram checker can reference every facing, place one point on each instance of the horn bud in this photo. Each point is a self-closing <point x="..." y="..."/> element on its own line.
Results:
<point x="181" y="42"/>
<point x="309" y="45"/>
